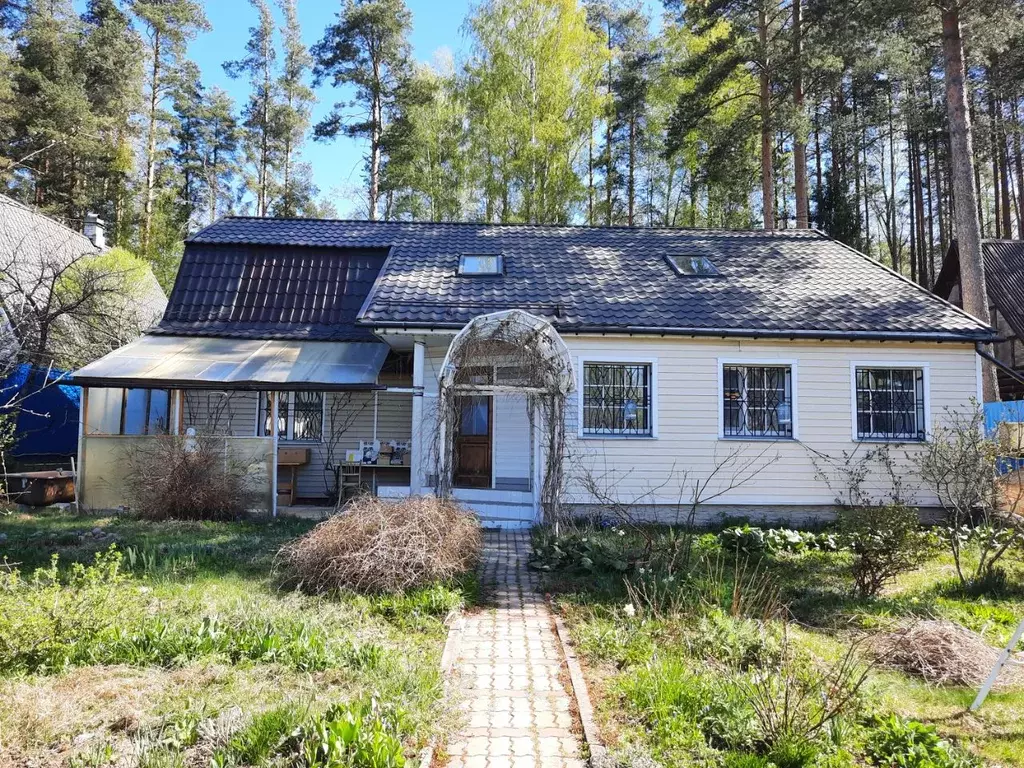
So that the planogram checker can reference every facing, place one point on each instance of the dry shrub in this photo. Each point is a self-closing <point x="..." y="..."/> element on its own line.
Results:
<point x="942" y="653"/>
<point x="380" y="545"/>
<point x="185" y="478"/>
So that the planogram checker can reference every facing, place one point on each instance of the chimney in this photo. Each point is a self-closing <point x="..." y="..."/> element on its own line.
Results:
<point x="94" y="230"/>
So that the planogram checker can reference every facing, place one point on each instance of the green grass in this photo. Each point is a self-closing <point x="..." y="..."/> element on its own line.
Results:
<point x="674" y="674"/>
<point x="174" y="642"/>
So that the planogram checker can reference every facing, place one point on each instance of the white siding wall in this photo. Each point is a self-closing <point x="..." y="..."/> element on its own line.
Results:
<point x="662" y="470"/>
<point x="350" y="414"/>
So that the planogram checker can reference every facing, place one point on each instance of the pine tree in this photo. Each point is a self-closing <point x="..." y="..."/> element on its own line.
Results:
<point x="293" y="116"/>
<point x="167" y="26"/>
<point x="53" y="129"/>
<point x="367" y="48"/>
<point x="264" y="131"/>
<point x="112" y="54"/>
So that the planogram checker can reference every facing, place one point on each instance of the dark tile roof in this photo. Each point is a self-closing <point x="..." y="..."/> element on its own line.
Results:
<point x="1004" y="278"/>
<point x="256" y="291"/>
<point x="786" y="283"/>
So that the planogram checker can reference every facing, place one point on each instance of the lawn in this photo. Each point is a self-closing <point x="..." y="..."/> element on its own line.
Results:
<point x="125" y="642"/>
<point x="686" y="669"/>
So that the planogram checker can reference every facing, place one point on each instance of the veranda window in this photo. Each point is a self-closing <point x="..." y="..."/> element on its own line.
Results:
<point x="300" y="416"/>
<point x="757" y="401"/>
<point x="145" y="411"/>
<point x="617" y="399"/>
<point x="890" y="403"/>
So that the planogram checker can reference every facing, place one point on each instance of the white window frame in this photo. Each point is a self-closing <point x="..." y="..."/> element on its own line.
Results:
<point x="582" y="360"/>
<point x="499" y="261"/>
<point x="925" y="369"/>
<point x="761" y="362"/>
<point x="261" y="402"/>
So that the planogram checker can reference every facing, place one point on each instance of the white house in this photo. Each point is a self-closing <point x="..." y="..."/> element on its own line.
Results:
<point x="652" y="361"/>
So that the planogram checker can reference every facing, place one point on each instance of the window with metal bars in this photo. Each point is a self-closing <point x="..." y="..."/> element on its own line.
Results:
<point x="757" y="401"/>
<point x="300" y="415"/>
<point x="890" y="403"/>
<point x="617" y="399"/>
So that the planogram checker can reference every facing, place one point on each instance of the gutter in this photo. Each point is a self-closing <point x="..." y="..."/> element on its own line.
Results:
<point x="820" y="335"/>
<point x="220" y="386"/>
<point x="1011" y="372"/>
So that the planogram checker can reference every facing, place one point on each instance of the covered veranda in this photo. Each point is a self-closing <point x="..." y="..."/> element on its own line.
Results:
<point x="140" y="393"/>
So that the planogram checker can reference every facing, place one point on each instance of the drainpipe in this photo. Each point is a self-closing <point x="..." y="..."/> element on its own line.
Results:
<point x="416" y="460"/>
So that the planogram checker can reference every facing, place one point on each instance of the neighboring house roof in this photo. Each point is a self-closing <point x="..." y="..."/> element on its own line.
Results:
<point x="614" y="279"/>
<point x="280" y="292"/>
<point x="35" y="238"/>
<point x="1004" y="278"/>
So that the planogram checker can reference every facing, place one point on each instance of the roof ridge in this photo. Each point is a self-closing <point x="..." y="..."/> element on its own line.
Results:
<point x="511" y="225"/>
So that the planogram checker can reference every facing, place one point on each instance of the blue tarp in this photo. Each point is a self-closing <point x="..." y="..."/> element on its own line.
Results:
<point x="47" y="423"/>
<point x="996" y="413"/>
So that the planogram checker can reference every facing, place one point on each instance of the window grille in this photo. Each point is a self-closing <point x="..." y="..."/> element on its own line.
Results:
<point x="307" y="415"/>
<point x="617" y="399"/>
<point x="890" y="404"/>
<point x="300" y="415"/>
<point x="757" y="401"/>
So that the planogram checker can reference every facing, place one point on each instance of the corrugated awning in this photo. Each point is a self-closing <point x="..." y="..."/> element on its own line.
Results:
<point x="191" y="362"/>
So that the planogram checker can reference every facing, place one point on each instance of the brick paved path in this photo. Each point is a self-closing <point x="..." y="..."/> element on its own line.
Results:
<point x="508" y="663"/>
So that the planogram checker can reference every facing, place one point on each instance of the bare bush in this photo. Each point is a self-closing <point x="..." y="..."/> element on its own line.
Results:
<point x="378" y="545"/>
<point x="960" y="465"/>
<point x="184" y="478"/>
<point x="941" y="653"/>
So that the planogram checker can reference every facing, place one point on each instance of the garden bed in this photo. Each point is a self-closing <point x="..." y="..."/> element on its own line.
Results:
<point x="171" y="643"/>
<point x="691" y="658"/>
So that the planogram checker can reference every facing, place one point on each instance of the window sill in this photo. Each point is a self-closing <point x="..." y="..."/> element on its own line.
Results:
<point x="616" y="437"/>
<point x="758" y="439"/>
<point x="892" y="440"/>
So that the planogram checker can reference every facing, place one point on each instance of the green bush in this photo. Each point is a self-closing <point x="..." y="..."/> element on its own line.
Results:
<point x="895" y="743"/>
<point x="886" y="540"/>
<point x="585" y="549"/>
<point x="750" y="539"/>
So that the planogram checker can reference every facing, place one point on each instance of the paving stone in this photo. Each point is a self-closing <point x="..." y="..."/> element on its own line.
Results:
<point x="518" y="711"/>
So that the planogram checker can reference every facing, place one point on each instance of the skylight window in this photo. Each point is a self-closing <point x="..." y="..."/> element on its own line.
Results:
<point x="691" y="265"/>
<point x="481" y="264"/>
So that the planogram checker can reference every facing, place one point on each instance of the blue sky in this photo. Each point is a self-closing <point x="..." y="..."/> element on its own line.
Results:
<point x="338" y="165"/>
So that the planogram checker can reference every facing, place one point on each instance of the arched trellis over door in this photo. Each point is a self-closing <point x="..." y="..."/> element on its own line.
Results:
<point x="525" y="356"/>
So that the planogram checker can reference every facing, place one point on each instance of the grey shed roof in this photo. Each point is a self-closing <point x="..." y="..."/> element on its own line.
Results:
<point x="1004" y="277"/>
<point x="614" y="279"/>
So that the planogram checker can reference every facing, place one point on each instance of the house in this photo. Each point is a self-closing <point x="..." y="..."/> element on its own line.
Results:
<point x="534" y="369"/>
<point x="64" y="299"/>
<point x="1004" y="282"/>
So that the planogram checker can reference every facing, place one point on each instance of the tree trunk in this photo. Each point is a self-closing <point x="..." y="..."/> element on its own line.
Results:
<point x="631" y="178"/>
<point x="1018" y="162"/>
<point x="799" y="140"/>
<point x="997" y="219"/>
<point x="972" y="271"/>
<point x="767" y="169"/>
<point x="1004" y="178"/>
<point x="150" y="190"/>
